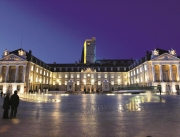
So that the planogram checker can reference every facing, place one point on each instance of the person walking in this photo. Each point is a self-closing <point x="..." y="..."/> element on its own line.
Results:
<point x="1" y="93"/>
<point x="160" y="91"/>
<point x="14" y="102"/>
<point x="6" y="106"/>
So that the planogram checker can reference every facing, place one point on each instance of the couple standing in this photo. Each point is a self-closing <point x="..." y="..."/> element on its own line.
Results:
<point x="13" y="102"/>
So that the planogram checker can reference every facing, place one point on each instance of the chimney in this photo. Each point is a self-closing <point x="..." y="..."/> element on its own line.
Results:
<point x="30" y="52"/>
<point x="54" y="62"/>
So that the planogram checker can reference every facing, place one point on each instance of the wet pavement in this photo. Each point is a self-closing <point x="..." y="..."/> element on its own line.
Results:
<point x="92" y="115"/>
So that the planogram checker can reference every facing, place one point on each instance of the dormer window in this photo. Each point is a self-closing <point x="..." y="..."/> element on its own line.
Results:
<point x="54" y="69"/>
<point x="124" y="68"/>
<point x="105" y="69"/>
<point x="111" y="68"/>
<point x="99" y="69"/>
<point x="66" y="69"/>
<point x="72" y="69"/>
<point x="118" y="69"/>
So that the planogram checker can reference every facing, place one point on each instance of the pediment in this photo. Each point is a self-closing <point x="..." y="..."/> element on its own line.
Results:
<point x="12" y="57"/>
<point x="165" y="57"/>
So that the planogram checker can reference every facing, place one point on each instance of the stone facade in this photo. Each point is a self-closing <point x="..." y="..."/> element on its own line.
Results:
<point x="20" y="70"/>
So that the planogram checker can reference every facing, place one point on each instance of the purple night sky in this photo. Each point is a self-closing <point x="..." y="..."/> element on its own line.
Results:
<point x="55" y="30"/>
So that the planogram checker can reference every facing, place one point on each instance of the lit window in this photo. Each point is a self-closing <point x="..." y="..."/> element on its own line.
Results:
<point x="118" y="75"/>
<point x="47" y="73"/>
<point x="119" y="81"/>
<point x="37" y="70"/>
<point x="66" y="76"/>
<point x="47" y="81"/>
<point x="125" y="76"/>
<point x="112" y="82"/>
<point x="92" y="75"/>
<point x="41" y="71"/>
<point x="54" y="82"/>
<point x="72" y="76"/>
<point x="65" y="82"/>
<point x="92" y="82"/>
<point x="44" y="80"/>
<point x="131" y="73"/>
<point x="77" y="75"/>
<point x="84" y="82"/>
<point x="31" y="68"/>
<point x="140" y="69"/>
<point x="54" y="75"/>
<point x="78" y="82"/>
<point x="54" y="69"/>
<point x="99" y="75"/>
<point x="112" y="75"/>
<point x="124" y="68"/>
<point x="105" y="75"/>
<point x="141" y="78"/>
<point x="137" y="79"/>
<point x="145" y="76"/>
<point x="99" y="82"/>
<point x="88" y="75"/>
<point x="44" y="73"/>
<point x="40" y="80"/>
<point x="125" y="82"/>
<point x="84" y="75"/>
<point x="60" y="76"/>
<point x="59" y="82"/>
<point x="31" y="78"/>
<point x="145" y="68"/>
<point x="50" y="74"/>
<point x="36" y="78"/>
<point x="137" y="71"/>
<point x="134" y="80"/>
<point x="134" y="72"/>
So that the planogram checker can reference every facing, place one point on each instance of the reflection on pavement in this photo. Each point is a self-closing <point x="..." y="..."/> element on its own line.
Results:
<point x="38" y="98"/>
<point x="135" y="102"/>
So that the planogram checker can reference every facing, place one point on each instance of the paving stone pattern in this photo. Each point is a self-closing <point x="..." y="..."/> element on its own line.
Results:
<point x="96" y="116"/>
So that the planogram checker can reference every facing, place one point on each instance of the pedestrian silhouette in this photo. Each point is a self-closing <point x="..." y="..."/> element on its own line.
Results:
<point x="160" y="91"/>
<point x="1" y="93"/>
<point x="6" y="106"/>
<point x="14" y="102"/>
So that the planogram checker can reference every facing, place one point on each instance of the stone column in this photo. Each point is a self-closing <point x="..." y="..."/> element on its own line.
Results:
<point x="153" y="73"/>
<point x="171" y="74"/>
<point x="178" y="76"/>
<point x="0" y="73"/>
<point x="161" y="76"/>
<point x="16" y="73"/>
<point x="7" y="69"/>
<point x="24" y="69"/>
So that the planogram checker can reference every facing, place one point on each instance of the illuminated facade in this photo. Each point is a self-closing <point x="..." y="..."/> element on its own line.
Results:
<point x="20" y="70"/>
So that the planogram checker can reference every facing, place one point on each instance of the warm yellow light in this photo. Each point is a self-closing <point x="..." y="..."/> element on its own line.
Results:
<point x="110" y="94"/>
<point x="85" y="52"/>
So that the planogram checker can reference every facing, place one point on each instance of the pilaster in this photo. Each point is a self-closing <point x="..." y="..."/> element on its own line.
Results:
<point x="171" y="74"/>
<point x="161" y="76"/>
<point x="16" y="73"/>
<point x="7" y="70"/>
<point x="153" y="73"/>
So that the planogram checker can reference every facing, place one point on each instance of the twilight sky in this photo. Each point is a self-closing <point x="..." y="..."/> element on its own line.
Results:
<point x="55" y="30"/>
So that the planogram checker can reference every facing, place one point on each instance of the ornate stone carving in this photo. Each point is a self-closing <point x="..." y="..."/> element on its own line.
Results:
<point x="88" y="70"/>
<point x="172" y="52"/>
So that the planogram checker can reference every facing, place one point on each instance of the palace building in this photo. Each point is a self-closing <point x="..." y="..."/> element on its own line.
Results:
<point x="20" y="70"/>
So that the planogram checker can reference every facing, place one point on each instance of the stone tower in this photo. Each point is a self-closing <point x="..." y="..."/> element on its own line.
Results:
<point x="89" y="51"/>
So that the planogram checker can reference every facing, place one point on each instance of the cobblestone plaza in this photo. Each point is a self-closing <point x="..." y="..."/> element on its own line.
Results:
<point x="95" y="115"/>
